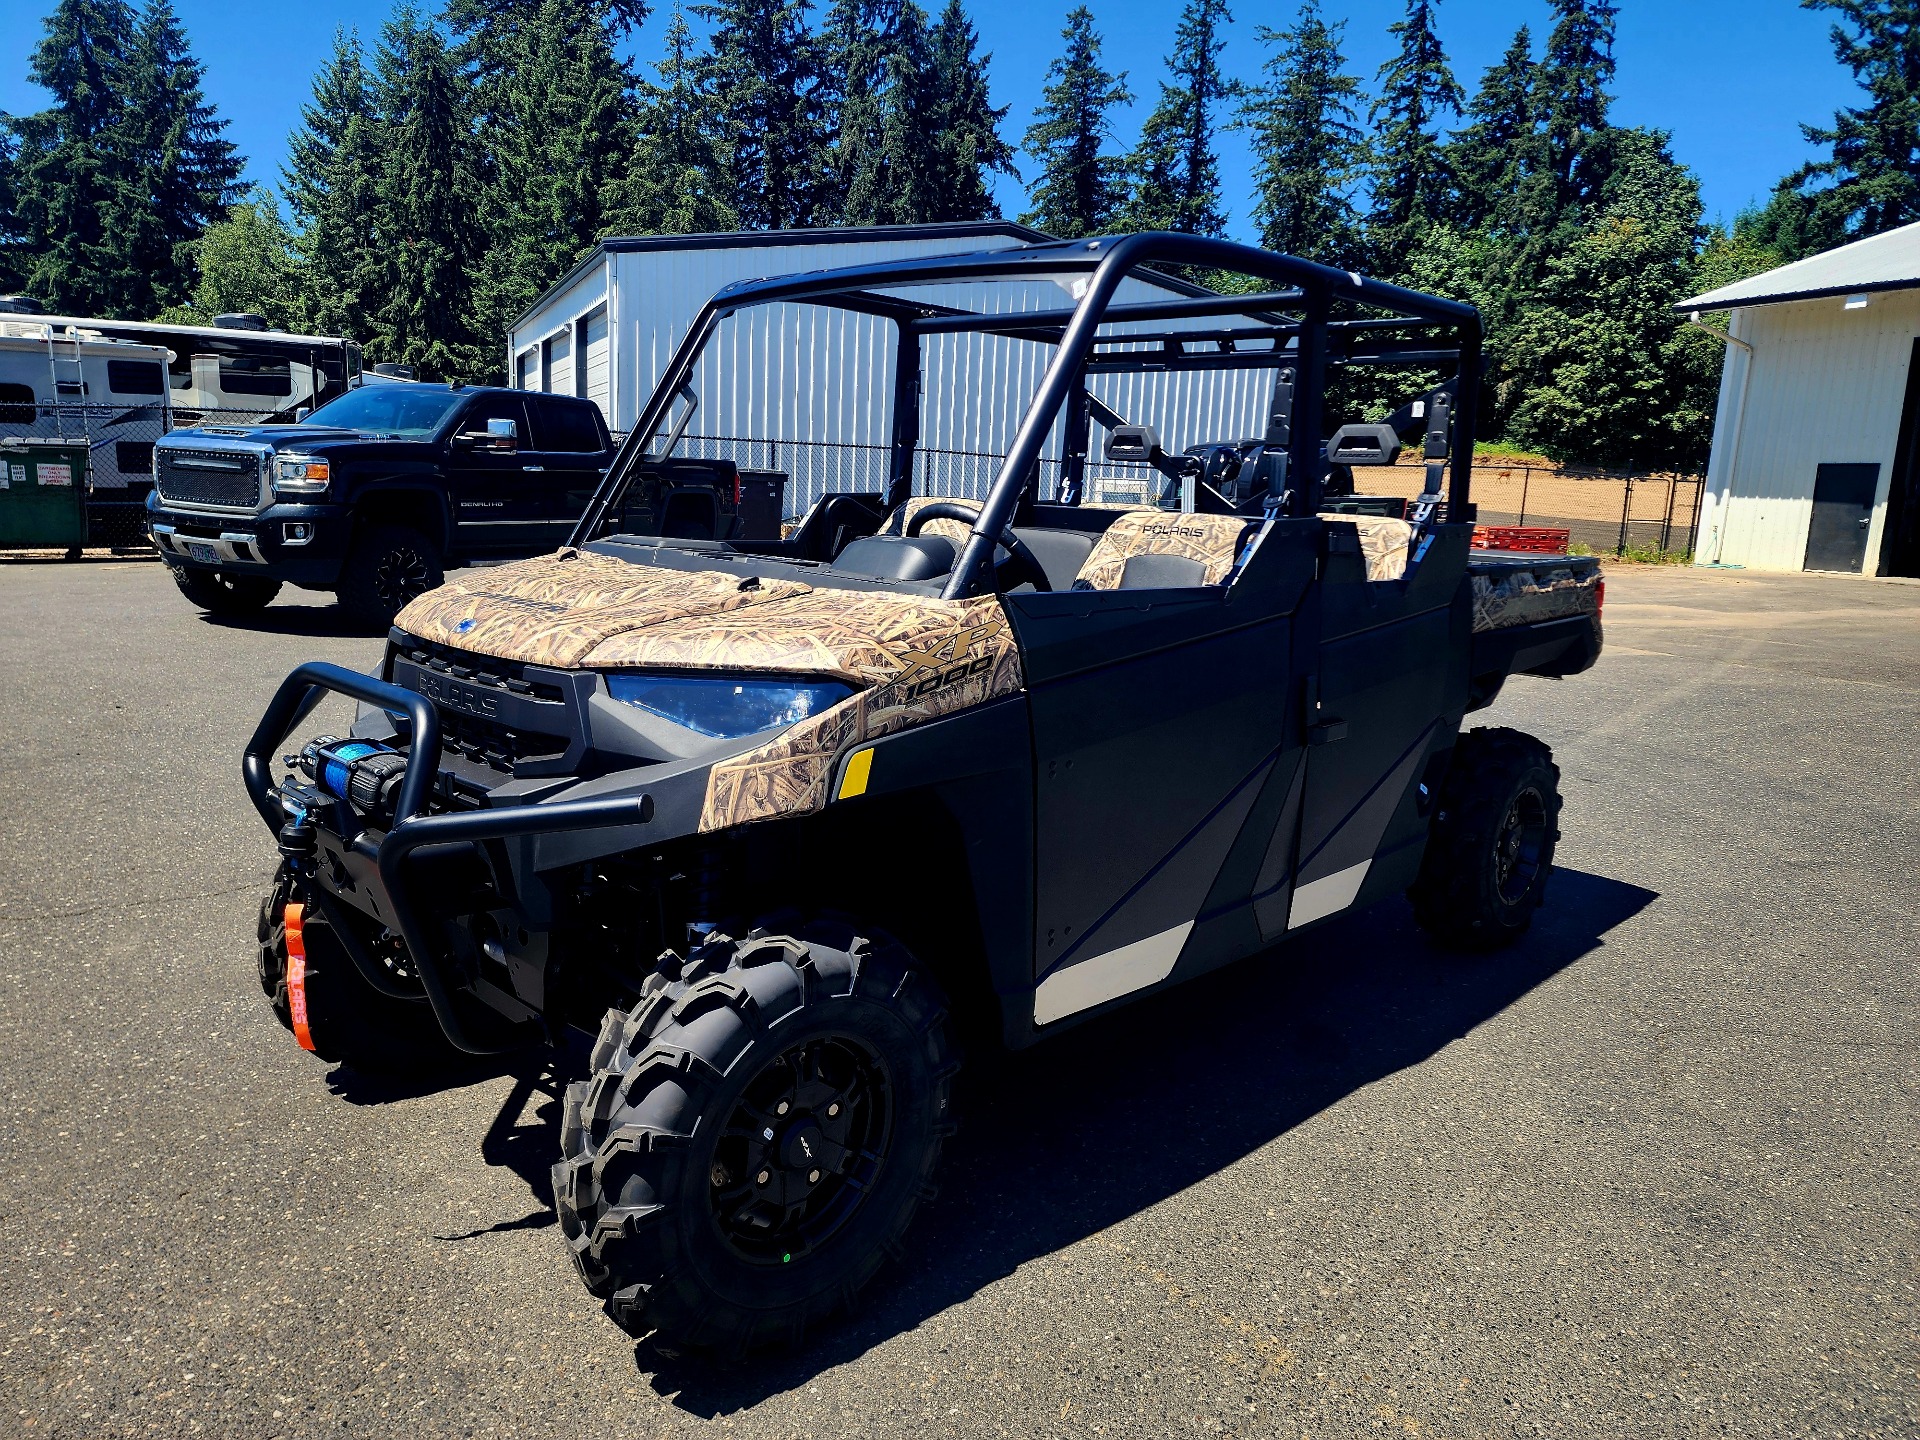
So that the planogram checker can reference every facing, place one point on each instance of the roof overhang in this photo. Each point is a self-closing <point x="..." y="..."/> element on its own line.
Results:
<point x="1879" y="263"/>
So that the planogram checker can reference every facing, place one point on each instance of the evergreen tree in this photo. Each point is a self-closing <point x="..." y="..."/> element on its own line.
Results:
<point x="1873" y="159"/>
<point x="247" y="262"/>
<point x="965" y="143"/>
<point x="1177" y="185"/>
<point x="332" y="181"/>
<point x="1307" y="148"/>
<point x="1484" y="157"/>
<point x="558" y="132"/>
<point x="186" y="174"/>
<point x="1079" y="190"/>
<point x="879" y="101"/>
<point x="71" y="175"/>
<point x="14" y="254"/>
<point x="423" y="196"/>
<point x="672" y="183"/>
<point x="1571" y="157"/>
<point x="760" y="83"/>
<point x="1408" y="171"/>
<point x="1793" y="223"/>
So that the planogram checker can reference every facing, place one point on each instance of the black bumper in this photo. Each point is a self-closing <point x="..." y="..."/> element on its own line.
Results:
<point x="266" y="544"/>
<point x="412" y="827"/>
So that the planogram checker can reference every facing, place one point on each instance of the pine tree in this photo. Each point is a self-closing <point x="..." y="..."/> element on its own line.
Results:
<point x="423" y="200"/>
<point x="1572" y="157"/>
<point x="14" y="257"/>
<point x="760" y="84"/>
<point x="672" y="184"/>
<point x="71" y="175"/>
<point x="332" y="178"/>
<point x="1873" y="160"/>
<point x="879" y="103"/>
<point x="558" y="131"/>
<point x="1307" y="149"/>
<point x="1177" y="185"/>
<point x="1485" y="156"/>
<point x="1079" y="190"/>
<point x="339" y="97"/>
<point x="187" y="173"/>
<point x="965" y="143"/>
<point x="1408" y="175"/>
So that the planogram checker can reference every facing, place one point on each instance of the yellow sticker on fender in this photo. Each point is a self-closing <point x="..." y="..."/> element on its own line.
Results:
<point x="854" y="782"/>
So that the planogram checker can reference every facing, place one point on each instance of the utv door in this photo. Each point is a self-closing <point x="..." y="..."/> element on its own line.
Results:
<point x="1167" y="742"/>
<point x="1384" y="693"/>
<point x="496" y="501"/>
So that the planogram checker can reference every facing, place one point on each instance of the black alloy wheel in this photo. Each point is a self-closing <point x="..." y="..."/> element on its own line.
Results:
<point x="1521" y="843"/>
<point x="802" y="1149"/>
<point x="388" y="567"/>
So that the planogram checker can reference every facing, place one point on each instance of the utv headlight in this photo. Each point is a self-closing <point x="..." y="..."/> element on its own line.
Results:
<point x="300" y="475"/>
<point x="726" y="706"/>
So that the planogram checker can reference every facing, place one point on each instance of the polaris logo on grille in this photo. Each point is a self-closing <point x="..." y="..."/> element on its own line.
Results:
<point x="471" y="699"/>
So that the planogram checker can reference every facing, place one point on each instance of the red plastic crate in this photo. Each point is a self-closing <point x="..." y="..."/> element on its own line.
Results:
<point x="1540" y="539"/>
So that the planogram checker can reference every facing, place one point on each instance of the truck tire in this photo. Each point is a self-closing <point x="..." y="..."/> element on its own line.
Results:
<point x="756" y="1134"/>
<point x="221" y="594"/>
<point x="350" y="1022"/>
<point x="1491" y="847"/>
<point x="387" y="566"/>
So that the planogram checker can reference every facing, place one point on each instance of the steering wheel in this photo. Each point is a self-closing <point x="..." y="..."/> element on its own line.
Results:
<point x="1021" y="563"/>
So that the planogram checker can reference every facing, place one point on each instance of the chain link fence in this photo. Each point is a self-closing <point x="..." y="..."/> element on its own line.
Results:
<point x="1606" y="511"/>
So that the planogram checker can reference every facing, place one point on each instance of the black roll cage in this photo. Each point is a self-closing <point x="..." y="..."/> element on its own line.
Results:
<point x="1305" y="346"/>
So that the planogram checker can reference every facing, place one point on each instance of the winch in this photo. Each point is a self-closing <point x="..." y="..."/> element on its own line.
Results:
<point x="364" y="773"/>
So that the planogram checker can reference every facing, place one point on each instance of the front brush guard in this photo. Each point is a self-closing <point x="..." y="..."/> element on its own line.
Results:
<point x="412" y="827"/>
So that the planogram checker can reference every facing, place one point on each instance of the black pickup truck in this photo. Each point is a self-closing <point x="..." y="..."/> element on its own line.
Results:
<point x="381" y="491"/>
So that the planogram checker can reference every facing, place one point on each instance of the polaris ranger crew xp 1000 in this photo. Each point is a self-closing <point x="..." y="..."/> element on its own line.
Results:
<point x="782" y="820"/>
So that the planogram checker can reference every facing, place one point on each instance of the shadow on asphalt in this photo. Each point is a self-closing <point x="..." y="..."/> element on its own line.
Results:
<point x="1065" y="1140"/>
<point x="323" y="621"/>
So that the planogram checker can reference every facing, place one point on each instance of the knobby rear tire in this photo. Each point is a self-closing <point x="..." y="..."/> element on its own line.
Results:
<point x="1491" y="846"/>
<point x="642" y="1186"/>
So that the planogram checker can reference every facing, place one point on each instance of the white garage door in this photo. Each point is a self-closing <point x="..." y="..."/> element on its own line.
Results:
<point x="599" y="371"/>
<point x="526" y="369"/>
<point x="560" y="364"/>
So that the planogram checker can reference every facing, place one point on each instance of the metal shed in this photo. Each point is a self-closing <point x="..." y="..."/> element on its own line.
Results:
<point x="607" y="329"/>
<point x="1814" y="463"/>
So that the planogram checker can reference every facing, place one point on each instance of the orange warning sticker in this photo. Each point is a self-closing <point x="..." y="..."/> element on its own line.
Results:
<point x="297" y="975"/>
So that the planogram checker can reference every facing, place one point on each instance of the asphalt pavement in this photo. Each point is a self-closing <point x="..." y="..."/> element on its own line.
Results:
<point x="1654" y="1172"/>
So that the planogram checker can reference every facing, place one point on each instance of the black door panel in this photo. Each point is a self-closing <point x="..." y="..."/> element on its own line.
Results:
<point x="1843" y="498"/>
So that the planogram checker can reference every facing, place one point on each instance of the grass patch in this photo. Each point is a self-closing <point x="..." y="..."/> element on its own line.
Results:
<point x="1497" y="454"/>
<point x="1635" y="555"/>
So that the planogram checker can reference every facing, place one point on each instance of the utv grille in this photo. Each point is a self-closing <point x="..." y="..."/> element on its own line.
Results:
<point x="508" y="675"/>
<point x="226" y="479"/>
<point x="498" y="747"/>
<point x="494" y="713"/>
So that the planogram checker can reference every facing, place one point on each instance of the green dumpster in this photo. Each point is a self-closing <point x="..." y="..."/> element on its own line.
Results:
<point x="43" y="494"/>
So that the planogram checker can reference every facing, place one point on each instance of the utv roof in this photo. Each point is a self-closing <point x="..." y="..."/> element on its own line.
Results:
<point x="860" y="287"/>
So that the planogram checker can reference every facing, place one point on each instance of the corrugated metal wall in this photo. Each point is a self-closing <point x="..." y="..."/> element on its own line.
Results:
<point x="808" y="390"/>
<point x="1826" y="386"/>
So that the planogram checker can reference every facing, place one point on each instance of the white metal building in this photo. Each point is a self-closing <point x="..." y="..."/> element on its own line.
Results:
<point x="1814" y="463"/>
<point x="805" y="390"/>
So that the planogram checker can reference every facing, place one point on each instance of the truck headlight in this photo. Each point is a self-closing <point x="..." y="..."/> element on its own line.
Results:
<point x="725" y="706"/>
<point x="300" y="474"/>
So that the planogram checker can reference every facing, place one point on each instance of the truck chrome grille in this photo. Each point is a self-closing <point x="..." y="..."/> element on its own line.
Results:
<point x="227" y="479"/>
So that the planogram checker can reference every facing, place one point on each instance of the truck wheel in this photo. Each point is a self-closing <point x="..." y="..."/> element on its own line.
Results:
<point x="1491" y="847"/>
<point x="220" y="594"/>
<point x="387" y="567"/>
<point x="349" y="1021"/>
<point x="756" y="1134"/>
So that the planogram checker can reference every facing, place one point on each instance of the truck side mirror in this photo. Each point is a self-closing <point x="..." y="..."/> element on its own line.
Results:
<point x="503" y="434"/>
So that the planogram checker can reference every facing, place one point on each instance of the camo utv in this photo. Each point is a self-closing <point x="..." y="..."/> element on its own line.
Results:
<point x="786" y="820"/>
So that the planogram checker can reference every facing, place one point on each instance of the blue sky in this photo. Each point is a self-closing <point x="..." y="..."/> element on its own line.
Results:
<point x="1731" y="79"/>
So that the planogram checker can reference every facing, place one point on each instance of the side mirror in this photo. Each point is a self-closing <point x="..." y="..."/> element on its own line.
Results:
<point x="504" y="434"/>
<point x="1133" y="444"/>
<point x="300" y="415"/>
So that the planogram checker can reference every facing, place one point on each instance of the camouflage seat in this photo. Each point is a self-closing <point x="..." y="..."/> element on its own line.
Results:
<point x="953" y="530"/>
<point x="1383" y="544"/>
<point x="1194" y="549"/>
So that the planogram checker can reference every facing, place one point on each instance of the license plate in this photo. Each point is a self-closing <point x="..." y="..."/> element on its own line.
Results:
<point x="205" y="554"/>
